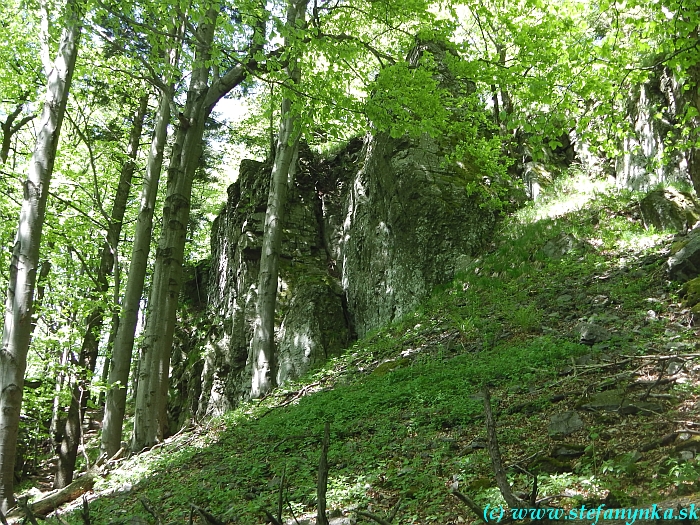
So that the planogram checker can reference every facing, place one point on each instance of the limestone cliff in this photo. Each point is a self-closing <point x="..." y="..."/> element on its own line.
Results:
<point x="408" y="225"/>
<point x="651" y="151"/>
<point x="368" y="235"/>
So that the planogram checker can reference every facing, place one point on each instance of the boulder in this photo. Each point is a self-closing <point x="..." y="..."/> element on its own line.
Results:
<point x="684" y="263"/>
<point x="562" y="245"/>
<point x="690" y="292"/>
<point x="608" y="401"/>
<point x="669" y="209"/>
<point x="591" y="333"/>
<point x="567" y="451"/>
<point x="564" y="424"/>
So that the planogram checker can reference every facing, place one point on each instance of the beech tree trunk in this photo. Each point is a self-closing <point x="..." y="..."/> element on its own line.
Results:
<point x="262" y="345"/>
<point x="693" y="96"/>
<point x="115" y="403"/>
<point x="150" y="418"/>
<point x="87" y="360"/>
<point x="25" y="255"/>
<point x="150" y="421"/>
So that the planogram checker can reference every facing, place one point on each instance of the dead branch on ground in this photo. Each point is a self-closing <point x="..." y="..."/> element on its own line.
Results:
<point x="494" y="451"/>
<point x="379" y="519"/>
<point x="296" y="395"/>
<point x="469" y="503"/>
<point x="208" y="517"/>
<point x="50" y="503"/>
<point x="85" y="512"/>
<point x="151" y="510"/>
<point x="29" y="515"/>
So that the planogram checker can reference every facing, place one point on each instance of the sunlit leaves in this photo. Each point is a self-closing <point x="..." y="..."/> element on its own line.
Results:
<point x="407" y="101"/>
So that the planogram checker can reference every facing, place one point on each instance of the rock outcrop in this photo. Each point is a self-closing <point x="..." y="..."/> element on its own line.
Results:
<point x="312" y="319"/>
<point x="368" y="234"/>
<point x="652" y="151"/>
<point x="684" y="263"/>
<point x="653" y="109"/>
<point x="407" y="227"/>
<point x="669" y="209"/>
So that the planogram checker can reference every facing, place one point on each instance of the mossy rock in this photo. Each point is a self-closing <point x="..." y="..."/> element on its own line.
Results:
<point x="669" y="209"/>
<point x="609" y="400"/>
<point x="388" y="366"/>
<point x="566" y="451"/>
<point x="549" y="465"/>
<point x="691" y="292"/>
<point x="689" y="444"/>
<point x="678" y="246"/>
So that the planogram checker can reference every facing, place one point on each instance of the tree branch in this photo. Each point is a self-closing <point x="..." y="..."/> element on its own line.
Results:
<point x="469" y="503"/>
<point x="499" y="472"/>
<point x="343" y="37"/>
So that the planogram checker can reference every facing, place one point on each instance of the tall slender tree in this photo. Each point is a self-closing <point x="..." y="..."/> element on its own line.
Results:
<point x="205" y="89"/>
<point x="115" y="402"/>
<point x="25" y="255"/>
<point x="87" y="358"/>
<point x="262" y="346"/>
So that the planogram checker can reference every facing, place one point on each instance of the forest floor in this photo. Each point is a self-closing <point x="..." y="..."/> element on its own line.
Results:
<point x="570" y="320"/>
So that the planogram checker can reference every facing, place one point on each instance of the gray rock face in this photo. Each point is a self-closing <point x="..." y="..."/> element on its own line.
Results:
<point x="684" y="264"/>
<point x="314" y="329"/>
<point x="643" y="165"/>
<point x="564" y="423"/>
<point x="652" y="109"/>
<point x="407" y="222"/>
<point x="367" y="236"/>
<point x="668" y="209"/>
<point x="312" y="322"/>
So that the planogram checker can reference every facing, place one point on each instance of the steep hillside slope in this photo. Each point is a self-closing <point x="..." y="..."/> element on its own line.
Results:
<point x="570" y="320"/>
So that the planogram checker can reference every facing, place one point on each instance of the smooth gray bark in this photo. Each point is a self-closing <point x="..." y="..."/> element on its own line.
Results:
<point x="115" y="404"/>
<point x="25" y="255"/>
<point x="87" y="359"/>
<point x="262" y="344"/>
<point x="122" y="351"/>
<point x="150" y="421"/>
<point x="150" y="418"/>
<point x="693" y="98"/>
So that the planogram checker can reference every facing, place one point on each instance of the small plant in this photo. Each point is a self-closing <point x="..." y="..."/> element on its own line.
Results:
<point x="528" y="318"/>
<point x="683" y="474"/>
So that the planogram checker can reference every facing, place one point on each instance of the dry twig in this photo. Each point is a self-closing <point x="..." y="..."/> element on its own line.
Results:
<point x="208" y="517"/>
<point x="151" y="510"/>
<point x="499" y="472"/>
<point x="379" y="519"/>
<point x="469" y="503"/>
